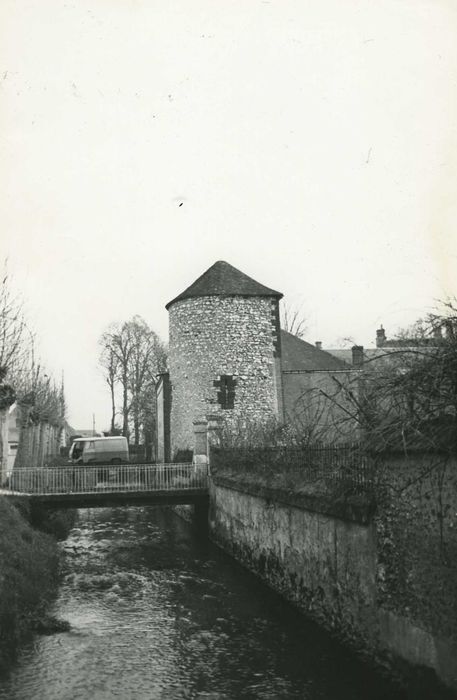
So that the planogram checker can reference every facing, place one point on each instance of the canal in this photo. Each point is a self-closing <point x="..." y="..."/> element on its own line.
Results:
<point x="159" y="612"/>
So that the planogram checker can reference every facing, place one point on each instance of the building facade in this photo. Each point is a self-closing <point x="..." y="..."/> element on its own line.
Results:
<point x="224" y="352"/>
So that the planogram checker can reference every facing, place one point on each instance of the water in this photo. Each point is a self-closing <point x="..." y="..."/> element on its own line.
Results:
<point x="158" y="612"/>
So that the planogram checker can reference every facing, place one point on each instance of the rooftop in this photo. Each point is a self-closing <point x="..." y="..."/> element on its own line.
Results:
<point x="222" y="279"/>
<point x="298" y="355"/>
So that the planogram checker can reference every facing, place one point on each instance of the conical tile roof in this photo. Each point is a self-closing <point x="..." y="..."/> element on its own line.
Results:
<point x="222" y="280"/>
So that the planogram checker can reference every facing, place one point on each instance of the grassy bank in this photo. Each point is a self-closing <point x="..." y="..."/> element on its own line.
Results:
<point x="28" y="575"/>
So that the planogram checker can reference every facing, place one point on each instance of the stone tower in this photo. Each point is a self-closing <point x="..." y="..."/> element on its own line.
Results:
<point x="224" y="354"/>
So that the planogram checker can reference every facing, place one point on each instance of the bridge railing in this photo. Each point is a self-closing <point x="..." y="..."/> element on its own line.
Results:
<point x="106" y="478"/>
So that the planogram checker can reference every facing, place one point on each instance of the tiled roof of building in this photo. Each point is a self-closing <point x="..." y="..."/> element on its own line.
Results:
<point x="297" y="355"/>
<point x="373" y="357"/>
<point x="344" y="354"/>
<point x="222" y="279"/>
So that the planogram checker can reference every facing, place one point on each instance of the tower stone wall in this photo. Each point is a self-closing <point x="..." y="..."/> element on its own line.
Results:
<point x="223" y="359"/>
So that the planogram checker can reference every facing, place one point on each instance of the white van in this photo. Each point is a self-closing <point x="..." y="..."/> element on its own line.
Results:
<point x="99" y="450"/>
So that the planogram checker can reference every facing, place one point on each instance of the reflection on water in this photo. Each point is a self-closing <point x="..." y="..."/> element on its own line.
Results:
<point x="158" y="613"/>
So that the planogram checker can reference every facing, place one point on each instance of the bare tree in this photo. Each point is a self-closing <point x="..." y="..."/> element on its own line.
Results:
<point x="42" y="414"/>
<point x="293" y="320"/>
<point x="132" y="356"/>
<point x="324" y="411"/>
<point x="109" y="363"/>
<point x="146" y="397"/>
<point x="142" y="360"/>
<point x="23" y="379"/>
<point x="16" y="339"/>
<point x="404" y="396"/>
<point x="118" y="343"/>
<point x="412" y="387"/>
<point x="11" y="337"/>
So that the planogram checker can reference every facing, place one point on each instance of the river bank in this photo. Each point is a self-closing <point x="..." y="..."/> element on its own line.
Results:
<point x="158" y="612"/>
<point x="29" y="568"/>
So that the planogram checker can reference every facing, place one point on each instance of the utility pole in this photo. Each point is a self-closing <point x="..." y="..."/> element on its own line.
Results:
<point x="93" y="423"/>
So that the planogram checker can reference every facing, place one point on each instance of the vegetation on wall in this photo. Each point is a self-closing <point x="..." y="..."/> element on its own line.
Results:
<point x="277" y="457"/>
<point x="417" y="542"/>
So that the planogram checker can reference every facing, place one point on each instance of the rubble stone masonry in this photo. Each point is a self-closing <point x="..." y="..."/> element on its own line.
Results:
<point x="213" y="337"/>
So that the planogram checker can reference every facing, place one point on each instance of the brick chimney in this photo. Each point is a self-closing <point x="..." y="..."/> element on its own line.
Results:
<point x="318" y="344"/>
<point x="380" y="337"/>
<point x="357" y="356"/>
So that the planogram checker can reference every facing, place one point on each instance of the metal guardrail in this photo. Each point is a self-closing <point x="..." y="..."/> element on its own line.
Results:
<point x="107" y="478"/>
<point x="345" y="464"/>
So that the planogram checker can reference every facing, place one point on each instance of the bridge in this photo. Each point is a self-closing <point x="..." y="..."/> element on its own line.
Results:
<point x="96" y="486"/>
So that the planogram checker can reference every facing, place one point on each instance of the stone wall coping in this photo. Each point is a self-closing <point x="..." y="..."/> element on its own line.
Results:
<point x="353" y="508"/>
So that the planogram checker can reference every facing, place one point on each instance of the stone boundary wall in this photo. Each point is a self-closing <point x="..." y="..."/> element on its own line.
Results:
<point x="328" y="566"/>
<point x="416" y="526"/>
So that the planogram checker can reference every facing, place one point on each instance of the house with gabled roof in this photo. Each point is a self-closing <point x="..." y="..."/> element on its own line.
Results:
<point x="313" y="382"/>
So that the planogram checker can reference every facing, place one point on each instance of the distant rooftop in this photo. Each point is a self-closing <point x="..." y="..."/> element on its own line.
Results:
<point x="222" y="279"/>
<point x="85" y="432"/>
<point x="298" y="355"/>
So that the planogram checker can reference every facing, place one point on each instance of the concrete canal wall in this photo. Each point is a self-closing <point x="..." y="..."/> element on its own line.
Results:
<point x="340" y="566"/>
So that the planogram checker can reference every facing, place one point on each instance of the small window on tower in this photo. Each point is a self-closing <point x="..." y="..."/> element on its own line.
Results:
<point x="226" y="394"/>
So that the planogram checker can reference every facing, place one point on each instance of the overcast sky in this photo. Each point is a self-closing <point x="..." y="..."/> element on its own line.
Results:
<point x="311" y="143"/>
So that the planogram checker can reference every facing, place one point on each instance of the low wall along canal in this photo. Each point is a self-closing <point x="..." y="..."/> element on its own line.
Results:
<point x="341" y="568"/>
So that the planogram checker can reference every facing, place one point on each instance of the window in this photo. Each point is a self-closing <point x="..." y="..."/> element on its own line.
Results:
<point x="226" y="394"/>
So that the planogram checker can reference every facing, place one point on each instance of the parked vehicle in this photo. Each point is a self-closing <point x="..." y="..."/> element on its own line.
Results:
<point x="99" y="450"/>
